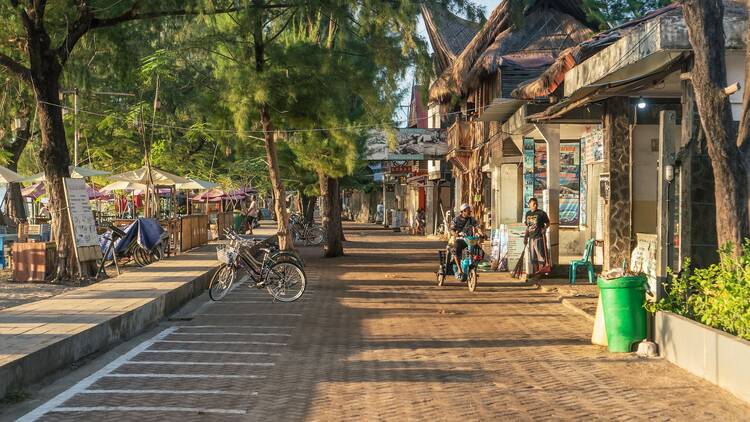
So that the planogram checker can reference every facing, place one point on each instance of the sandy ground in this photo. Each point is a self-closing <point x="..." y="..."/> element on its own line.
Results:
<point x="14" y="294"/>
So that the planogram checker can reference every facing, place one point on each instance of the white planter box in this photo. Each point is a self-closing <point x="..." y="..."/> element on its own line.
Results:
<point x="714" y="355"/>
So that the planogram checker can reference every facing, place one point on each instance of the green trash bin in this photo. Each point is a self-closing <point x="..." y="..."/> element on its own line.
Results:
<point x="238" y="221"/>
<point x="624" y="315"/>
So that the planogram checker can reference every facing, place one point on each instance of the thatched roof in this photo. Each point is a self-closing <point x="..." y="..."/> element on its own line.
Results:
<point x="548" y="28"/>
<point x="548" y="82"/>
<point x="449" y="34"/>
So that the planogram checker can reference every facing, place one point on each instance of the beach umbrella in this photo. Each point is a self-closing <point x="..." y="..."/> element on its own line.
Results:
<point x="211" y="195"/>
<point x="34" y="191"/>
<point x="38" y="189"/>
<point x="9" y="176"/>
<point x="195" y="184"/>
<point x="122" y="185"/>
<point x="75" y="172"/>
<point x="141" y="175"/>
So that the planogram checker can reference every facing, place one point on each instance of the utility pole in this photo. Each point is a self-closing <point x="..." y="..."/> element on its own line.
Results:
<point x="75" y="127"/>
<point x="74" y="91"/>
<point x="76" y="131"/>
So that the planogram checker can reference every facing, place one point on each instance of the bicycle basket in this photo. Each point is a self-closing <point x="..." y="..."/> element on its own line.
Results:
<point x="226" y="255"/>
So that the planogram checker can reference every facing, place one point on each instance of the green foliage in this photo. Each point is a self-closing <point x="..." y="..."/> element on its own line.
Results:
<point x="718" y="296"/>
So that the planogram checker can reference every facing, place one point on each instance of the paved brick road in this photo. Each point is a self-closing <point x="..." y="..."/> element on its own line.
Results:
<point x="375" y="339"/>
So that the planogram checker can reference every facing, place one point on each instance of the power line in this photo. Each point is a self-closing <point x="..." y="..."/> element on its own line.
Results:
<point x="261" y="132"/>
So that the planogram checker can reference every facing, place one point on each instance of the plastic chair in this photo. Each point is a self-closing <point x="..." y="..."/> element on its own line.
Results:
<point x="586" y="261"/>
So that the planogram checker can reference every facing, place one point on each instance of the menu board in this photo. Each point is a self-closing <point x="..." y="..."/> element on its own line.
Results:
<point x="511" y="243"/>
<point x="81" y="218"/>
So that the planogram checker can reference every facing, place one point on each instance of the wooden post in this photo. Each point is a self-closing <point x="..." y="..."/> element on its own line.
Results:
<point x="617" y="163"/>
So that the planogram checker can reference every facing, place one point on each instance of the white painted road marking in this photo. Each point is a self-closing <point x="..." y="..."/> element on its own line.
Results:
<point x="265" y="343"/>
<point x="91" y="379"/>
<point x="180" y="376"/>
<point x="221" y="392"/>
<point x="279" y="327"/>
<point x="246" y="315"/>
<point x="148" y="409"/>
<point x="222" y="352"/>
<point x="156" y="362"/>
<point x="232" y="334"/>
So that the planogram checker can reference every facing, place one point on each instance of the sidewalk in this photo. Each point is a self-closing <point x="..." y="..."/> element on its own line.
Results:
<point x="41" y="337"/>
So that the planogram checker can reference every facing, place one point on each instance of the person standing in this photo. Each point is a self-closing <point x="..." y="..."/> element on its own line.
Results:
<point x="537" y="223"/>
<point x="251" y="214"/>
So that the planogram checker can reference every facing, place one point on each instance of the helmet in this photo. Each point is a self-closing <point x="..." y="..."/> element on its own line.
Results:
<point x="464" y="207"/>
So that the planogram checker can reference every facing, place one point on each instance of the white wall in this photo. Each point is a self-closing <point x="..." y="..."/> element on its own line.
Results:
<point x="736" y="73"/>
<point x="645" y="179"/>
<point x="510" y="195"/>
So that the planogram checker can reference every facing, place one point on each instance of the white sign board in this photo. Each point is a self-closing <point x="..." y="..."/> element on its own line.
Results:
<point x="511" y="242"/>
<point x="643" y="258"/>
<point x="81" y="218"/>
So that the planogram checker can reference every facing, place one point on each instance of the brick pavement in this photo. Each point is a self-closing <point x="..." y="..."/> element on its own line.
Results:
<point x="375" y="339"/>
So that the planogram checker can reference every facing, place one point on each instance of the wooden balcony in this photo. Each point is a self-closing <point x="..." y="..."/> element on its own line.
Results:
<point x="459" y="145"/>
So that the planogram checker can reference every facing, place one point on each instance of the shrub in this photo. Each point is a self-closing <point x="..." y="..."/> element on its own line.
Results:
<point x="718" y="296"/>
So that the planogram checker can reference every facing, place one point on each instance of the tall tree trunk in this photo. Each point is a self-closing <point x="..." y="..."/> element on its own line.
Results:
<point x="704" y="20"/>
<point x="16" y="210"/>
<point x="308" y="207"/>
<point x="55" y="161"/>
<point x="330" y="212"/>
<point x="282" y="218"/>
<point x="743" y="137"/>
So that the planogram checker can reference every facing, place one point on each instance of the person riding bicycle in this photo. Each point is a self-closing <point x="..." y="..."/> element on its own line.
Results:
<point x="463" y="225"/>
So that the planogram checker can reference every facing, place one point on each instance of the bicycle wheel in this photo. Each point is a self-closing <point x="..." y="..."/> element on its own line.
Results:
<point x="141" y="256"/>
<point x="315" y="236"/>
<point x="286" y="281"/>
<point x="221" y="282"/>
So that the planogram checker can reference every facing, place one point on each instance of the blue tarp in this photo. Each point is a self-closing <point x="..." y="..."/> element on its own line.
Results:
<point x="145" y="231"/>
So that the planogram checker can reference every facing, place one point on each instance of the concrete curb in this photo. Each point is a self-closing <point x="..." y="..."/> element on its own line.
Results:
<point x="567" y="303"/>
<point x="34" y="366"/>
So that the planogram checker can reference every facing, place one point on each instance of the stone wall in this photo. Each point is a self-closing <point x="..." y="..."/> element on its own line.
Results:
<point x="617" y="216"/>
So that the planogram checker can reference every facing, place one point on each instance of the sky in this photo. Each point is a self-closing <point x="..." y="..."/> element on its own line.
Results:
<point x="402" y="113"/>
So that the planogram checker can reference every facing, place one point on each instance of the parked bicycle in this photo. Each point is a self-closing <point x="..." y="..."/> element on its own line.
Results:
<point x="281" y="273"/>
<point x="126" y="245"/>
<point x="309" y="233"/>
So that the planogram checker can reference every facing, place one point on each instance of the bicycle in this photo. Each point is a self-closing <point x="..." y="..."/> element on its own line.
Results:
<point x="306" y="232"/>
<point x="280" y="272"/>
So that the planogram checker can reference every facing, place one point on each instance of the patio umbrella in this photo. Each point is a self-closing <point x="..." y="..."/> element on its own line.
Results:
<point x="196" y="184"/>
<point x="141" y="175"/>
<point x="38" y="189"/>
<point x="211" y="195"/>
<point x="9" y="176"/>
<point x="34" y="191"/>
<point x="75" y="172"/>
<point x="122" y="185"/>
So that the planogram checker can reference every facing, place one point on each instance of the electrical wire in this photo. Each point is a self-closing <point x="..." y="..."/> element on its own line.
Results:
<point x="248" y="133"/>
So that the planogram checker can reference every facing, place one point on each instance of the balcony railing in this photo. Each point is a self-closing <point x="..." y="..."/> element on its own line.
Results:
<point x="459" y="144"/>
<point x="459" y="136"/>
